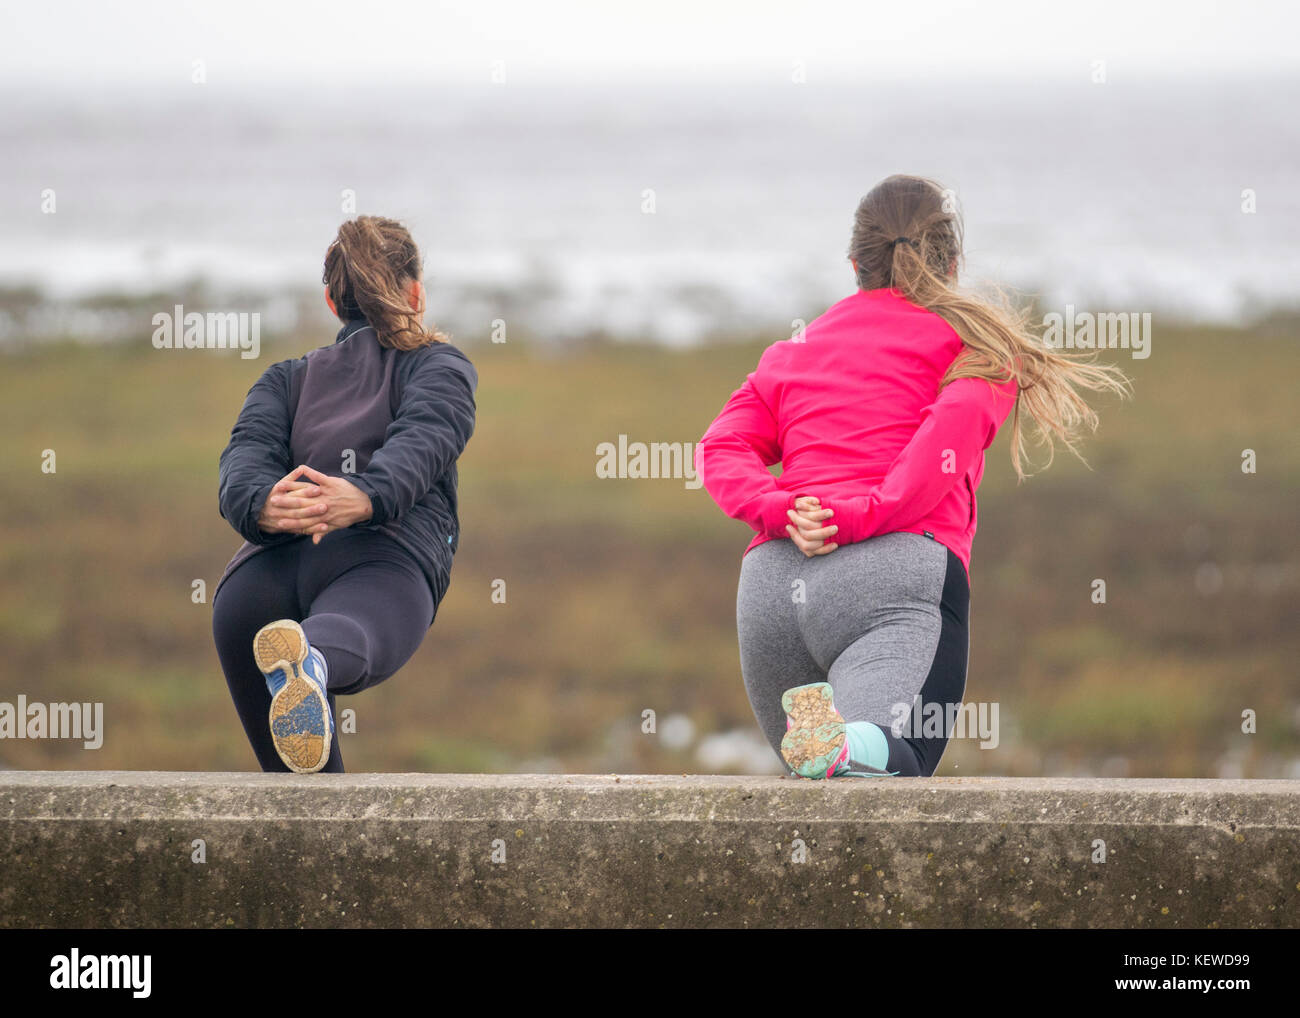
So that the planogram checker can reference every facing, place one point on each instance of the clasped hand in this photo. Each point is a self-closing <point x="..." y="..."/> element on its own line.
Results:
<point x="805" y="527"/>
<point x="315" y="506"/>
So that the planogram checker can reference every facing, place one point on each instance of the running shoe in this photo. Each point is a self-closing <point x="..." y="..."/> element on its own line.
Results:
<point x="302" y="726"/>
<point x="816" y="742"/>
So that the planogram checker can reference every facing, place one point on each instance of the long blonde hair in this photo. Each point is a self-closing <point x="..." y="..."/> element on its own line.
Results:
<point x="907" y="235"/>
<point x="369" y="269"/>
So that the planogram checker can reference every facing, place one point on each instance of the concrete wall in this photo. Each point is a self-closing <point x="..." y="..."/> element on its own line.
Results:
<point x="116" y="849"/>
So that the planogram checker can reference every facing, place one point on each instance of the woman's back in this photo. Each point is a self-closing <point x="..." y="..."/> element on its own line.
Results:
<point x="346" y="397"/>
<point x="393" y="422"/>
<point x="848" y="396"/>
<point x="854" y="412"/>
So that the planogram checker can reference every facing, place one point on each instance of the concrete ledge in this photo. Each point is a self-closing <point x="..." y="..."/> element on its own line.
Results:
<point x="108" y="849"/>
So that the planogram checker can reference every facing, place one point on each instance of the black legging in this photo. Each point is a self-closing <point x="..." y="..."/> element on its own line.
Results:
<point x="361" y="599"/>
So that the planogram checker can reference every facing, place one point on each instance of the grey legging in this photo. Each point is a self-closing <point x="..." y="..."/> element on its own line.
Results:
<point x="883" y="621"/>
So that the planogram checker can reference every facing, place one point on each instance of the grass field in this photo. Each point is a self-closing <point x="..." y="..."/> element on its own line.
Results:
<point x="620" y="593"/>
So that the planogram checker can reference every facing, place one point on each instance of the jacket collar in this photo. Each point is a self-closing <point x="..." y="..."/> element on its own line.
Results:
<point x="350" y="328"/>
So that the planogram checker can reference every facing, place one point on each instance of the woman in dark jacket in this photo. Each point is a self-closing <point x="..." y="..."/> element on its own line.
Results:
<point x="341" y="476"/>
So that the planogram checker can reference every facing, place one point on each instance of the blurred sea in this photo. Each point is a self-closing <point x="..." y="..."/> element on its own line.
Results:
<point x="529" y="202"/>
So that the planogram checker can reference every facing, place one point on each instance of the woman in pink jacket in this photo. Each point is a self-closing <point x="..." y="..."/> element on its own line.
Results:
<point x="853" y="596"/>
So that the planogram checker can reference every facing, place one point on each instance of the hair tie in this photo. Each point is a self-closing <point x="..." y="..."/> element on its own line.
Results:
<point x="906" y="240"/>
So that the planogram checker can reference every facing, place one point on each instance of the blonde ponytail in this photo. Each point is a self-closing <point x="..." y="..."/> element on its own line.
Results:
<point x="907" y="236"/>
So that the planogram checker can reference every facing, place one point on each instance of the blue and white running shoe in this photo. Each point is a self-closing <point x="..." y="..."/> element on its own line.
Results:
<point x="302" y="726"/>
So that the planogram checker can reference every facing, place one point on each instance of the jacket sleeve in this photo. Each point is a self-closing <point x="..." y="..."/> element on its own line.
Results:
<point x="955" y="429"/>
<point x="433" y="423"/>
<point x="732" y="458"/>
<point x="257" y="455"/>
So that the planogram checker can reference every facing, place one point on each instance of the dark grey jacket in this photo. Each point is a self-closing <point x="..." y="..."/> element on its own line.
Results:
<point x="393" y="422"/>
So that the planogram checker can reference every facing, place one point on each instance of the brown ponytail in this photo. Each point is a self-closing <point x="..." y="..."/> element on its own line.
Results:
<point x="369" y="269"/>
<point x="907" y="235"/>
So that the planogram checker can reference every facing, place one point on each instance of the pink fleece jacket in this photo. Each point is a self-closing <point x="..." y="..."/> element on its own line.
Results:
<point x="853" y="413"/>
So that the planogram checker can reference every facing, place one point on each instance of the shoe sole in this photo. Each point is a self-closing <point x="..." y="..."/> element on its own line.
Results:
<point x="299" y="716"/>
<point x="816" y="733"/>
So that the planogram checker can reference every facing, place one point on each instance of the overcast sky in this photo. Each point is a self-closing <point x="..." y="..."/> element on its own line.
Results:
<point x="89" y="41"/>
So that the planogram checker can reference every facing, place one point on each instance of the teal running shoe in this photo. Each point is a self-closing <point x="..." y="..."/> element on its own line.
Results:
<point x="816" y="741"/>
<point x="302" y="726"/>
